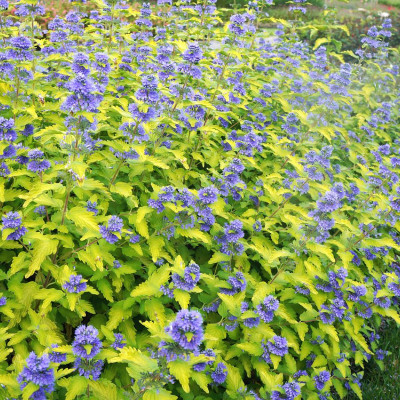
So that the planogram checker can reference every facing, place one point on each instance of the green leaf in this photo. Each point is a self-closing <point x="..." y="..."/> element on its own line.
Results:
<point x="49" y="295"/>
<point x="251" y="348"/>
<point x="218" y="257"/>
<point x="306" y="349"/>
<point x="105" y="288"/>
<point x="181" y="370"/>
<point x="158" y="394"/>
<point x="202" y="380"/>
<point x="43" y="248"/>
<point x="75" y="386"/>
<point x="103" y="389"/>
<point x="321" y="249"/>
<point x="233" y="380"/>
<point x="156" y="243"/>
<point x="320" y="41"/>
<point x="152" y="285"/>
<point x="29" y="389"/>
<point x="137" y="360"/>
<point x="83" y="218"/>
<point x="182" y="297"/>
<point x="122" y="188"/>
<point x="302" y="329"/>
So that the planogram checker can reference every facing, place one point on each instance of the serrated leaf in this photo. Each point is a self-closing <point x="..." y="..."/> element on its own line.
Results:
<point x="182" y="297"/>
<point x="105" y="288"/>
<point x="75" y="386"/>
<point x="182" y="371"/>
<point x="83" y="218"/>
<point x="152" y="285"/>
<point x="156" y="243"/>
<point x="42" y="249"/>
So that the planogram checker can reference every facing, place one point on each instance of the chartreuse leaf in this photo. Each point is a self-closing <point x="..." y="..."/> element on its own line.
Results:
<point x="233" y="380"/>
<point x="182" y="371"/>
<point x="152" y="285"/>
<point x="103" y="389"/>
<point x="156" y="243"/>
<point x="43" y="248"/>
<point x="75" y="386"/>
<point x="83" y="218"/>
<point x="138" y="361"/>
<point x="158" y="394"/>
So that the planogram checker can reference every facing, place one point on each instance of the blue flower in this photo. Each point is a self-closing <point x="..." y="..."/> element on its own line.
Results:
<point x="91" y="207"/>
<point x="118" y="343"/>
<point x="38" y="371"/>
<point x="75" y="284"/>
<point x="56" y="356"/>
<point x="7" y="132"/>
<point x="238" y="284"/>
<point x="290" y="391"/>
<point x="201" y="366"/>
<point x="208" y="195"/>
<point x="115" y="225"/>
<point x="13" y="220"/>
<point x="190" y="278"/>
<point x="23" y="10"/>
<point x="219" y="374"/>
<point x="20" y="50"/>
<point x="86" y="343"/>
<point x="257" y="226"/>
<point x="186" y="330"/>
<point x="278" y="346"/>
<point x="89" y="368"/>
<point x="193" y="54"/>
<point x="38" y="163"/>
<point x="267" y="307"/>
<point x="251" y="322"/>
<point x="229" y="240"/>
<point x="321" y="379"/>
<point x="3" y="4"/>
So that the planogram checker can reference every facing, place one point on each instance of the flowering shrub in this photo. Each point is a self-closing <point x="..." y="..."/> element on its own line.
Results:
<point x="349" y="39"/>
<point x="191" y="210"/>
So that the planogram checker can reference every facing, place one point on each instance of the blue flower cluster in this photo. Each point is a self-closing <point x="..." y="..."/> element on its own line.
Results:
<point x="75" y="284"/>
<point x="38" y="372"/>
<point x="86" y="346"/>
<point x="12" y="222"/>
<point x="187" y="329"/>
<point x="112" y="232"/>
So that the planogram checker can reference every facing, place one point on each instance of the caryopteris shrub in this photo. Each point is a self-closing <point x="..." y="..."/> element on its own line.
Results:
<point x="190" y="210"/>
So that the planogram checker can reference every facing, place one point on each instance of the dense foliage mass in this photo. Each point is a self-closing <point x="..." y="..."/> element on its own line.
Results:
<point x="190" y="210"/>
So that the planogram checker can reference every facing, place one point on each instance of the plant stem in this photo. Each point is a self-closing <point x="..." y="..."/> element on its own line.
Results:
<point x="66" y="203"/>
<point x="78" y="249"/>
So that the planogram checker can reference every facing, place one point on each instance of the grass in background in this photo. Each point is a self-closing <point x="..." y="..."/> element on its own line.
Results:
<point x="391" y="3"/>
<point x="384" y="384"/>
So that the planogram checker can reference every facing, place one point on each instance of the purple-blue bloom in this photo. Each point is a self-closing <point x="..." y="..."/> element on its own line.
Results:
<point x="86" y="343"/>
<point x="238" y="284"/>
<point x="220" y="373"/>
<point x="289" y="391"/>
<point x="114" y="226"/>
<point x="118" y="343"/>
<point x="278" y="346"/>
<point x="321" y="379"/>
<point x="75" y="284"/>
<point x="267" y="307"/>
<point x="13" y="220"/>
<point x="89" y="368"/>
<point x="56" y="356"/>
<point x="38" y="371"/>
<point x="190" y="278"/>
<point x="186" y="330"/>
